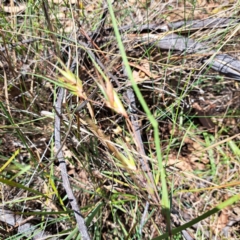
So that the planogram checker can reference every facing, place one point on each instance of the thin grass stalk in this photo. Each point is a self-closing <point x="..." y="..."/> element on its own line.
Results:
<point x="165" y="199"/>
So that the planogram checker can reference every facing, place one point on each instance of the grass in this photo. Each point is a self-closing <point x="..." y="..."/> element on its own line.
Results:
<point x="194" y="177"/>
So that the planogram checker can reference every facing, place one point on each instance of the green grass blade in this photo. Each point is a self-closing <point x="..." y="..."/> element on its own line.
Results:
<point x="9" y="160"/>
<point x="165" y="199"/>
<point x="18" y="185"/>
<point x="218" y="208"/>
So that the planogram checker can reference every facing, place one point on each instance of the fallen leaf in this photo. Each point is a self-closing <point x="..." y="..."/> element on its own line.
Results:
<point x="138" y="78"/>
<point x="221" y="222"/>
<point x="144" y="68"/>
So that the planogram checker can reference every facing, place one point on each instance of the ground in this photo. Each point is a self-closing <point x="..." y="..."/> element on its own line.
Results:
<point x="183" y="122"/>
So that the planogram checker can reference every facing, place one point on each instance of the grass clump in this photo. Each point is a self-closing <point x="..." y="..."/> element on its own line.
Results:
<point x="149" y="137"/>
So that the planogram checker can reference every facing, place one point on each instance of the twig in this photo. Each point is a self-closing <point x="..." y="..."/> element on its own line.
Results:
<point x="143" y="217"/>
<point x="134" y="120"/>
<point x="130" y="97"/>
<point x="62" y="164"/>
<point x="98" y="32"/>
<point x="98" y="61"/>
<point x="191" y="25"/>
<point x="50" y="27"/>
<point x="77" y="109"/>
